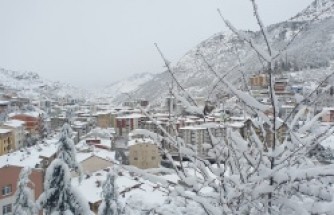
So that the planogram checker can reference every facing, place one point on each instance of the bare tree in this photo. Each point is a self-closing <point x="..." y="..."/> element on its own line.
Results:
<point x="265" y="170"/>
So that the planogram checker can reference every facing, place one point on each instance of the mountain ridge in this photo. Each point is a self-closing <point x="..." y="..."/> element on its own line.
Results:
<point x="31" y="84"/>
<point x="312" y="49"/>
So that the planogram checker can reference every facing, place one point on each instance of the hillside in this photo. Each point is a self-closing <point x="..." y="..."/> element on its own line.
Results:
<point x="118" y="89"/>
<point x="31" y="85"/>
<point x="312" y="49"/>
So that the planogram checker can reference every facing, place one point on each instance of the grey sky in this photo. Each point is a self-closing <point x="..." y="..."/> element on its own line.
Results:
<point x="95" y="42"/>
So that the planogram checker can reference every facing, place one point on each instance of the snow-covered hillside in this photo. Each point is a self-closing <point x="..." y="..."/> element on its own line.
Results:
<point x="31" y="85"/>
<point x="313" y="48"/>
<point x="117" y="89"/>
<point x="321" y="8"/>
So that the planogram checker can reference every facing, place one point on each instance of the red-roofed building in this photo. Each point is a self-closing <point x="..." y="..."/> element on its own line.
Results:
<point x="32" y="121"/>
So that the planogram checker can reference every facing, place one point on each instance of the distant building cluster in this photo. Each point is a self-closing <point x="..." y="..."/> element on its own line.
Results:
<point x="106" y="134"/>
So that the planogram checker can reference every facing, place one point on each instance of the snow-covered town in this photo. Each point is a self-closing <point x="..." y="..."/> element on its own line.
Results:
<point x="242" y="124"/>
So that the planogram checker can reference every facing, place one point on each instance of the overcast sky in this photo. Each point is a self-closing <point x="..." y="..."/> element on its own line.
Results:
<point x="91" y="43"/>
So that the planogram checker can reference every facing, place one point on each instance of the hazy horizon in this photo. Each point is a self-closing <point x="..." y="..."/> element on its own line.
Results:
<point x="94" y="43"/>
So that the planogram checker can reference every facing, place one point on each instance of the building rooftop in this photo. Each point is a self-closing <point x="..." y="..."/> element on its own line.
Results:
<point x="131" y="116"/>
<point x="4" y="131"/>
<point x="14" y="123"/>
<point x="29" y="156"/>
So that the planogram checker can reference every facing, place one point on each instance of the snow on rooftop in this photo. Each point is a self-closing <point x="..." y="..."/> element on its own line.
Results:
<point x="328" y="108"/>
<point x="213" y="125"/>
<point x="238" y="118"/>
<point x="236" y="124"/>
<point x="130" y="116"/>
<point x="31" y="114"/>
<point x="140" y="141"/>
<point x="161" y="115"/>
<point x="48" y="153"/>
<point x="4" y="131"/>
<point x="103" y="112"/>
<point x="29" y="156"/>
<point x="146" y="190"/>
<point x="14" y="123"/>
<point x="83" y="156"/>
<point x="102" y="153"/>
<point x="328" y="142"/>
<point x="194" y="127"/>
<point x="2" y="102"/>
<point x="79" y="124"/>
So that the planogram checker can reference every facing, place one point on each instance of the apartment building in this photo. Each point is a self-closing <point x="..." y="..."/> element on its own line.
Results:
<point x="199" y="136"/>
<point x="7" y="143"/>
<point x="18" y="128"/>
<point x="58" y="122"/>
<point x="280" y="84"/>
<point x="258" y="81"/>
<point x="105" y="119"/>
<point x="31" y="119"/>
<point x="144" y="154"/>
<point x="4" y="106"/>
<point x="125" y="124"/>
<point x="329" y="117"/>
<point x="9" y="176"/>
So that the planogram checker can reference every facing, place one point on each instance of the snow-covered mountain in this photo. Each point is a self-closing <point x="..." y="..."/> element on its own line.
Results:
<point x="119" y="88"/>
<point x="321" y="8"/>
<point x="313" y="48"/>
<point x="31" y="85"/>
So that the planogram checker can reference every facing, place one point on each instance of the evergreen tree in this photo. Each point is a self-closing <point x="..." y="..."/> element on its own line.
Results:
<point x="30" y="140"/>
<point x="66" y="150"/>
<point x="24" y="204"/>
<point x="43" y="129"/>
<point x="110" y="204"/>
<point x="59" y="197"/>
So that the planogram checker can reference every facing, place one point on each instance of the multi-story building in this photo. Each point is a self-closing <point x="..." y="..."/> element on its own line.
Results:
<point x="18" y="128"/>
<point x="80" y="128"/>
<point x="199" y="136"/>
<point x="125" y="124"/>
<point x="133" y="104"/>
<point x="329" y="117"/>
<point x="19" y="102"/>
<point x="4" y="105"/>
<point x="7" y="143"/>
<point x="58" y="122"/>
<point x="31" y="119"/>
<point x="144" y="154"/>
<point x="259" y="81"/>
<point x="105" y="119"/>
<point x="280" y="84"/>
<point x="9" y="176"/>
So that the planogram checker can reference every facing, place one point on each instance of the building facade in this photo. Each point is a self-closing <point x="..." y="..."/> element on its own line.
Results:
<point x="7" y="143"/>
<point x="125" y="124"/>
<point x="18" y="128"/>
<point x="105" y="119"/>
<point x="144" y="155"/>
<point x="32" y="121"/>
<point x="9" y="176"/>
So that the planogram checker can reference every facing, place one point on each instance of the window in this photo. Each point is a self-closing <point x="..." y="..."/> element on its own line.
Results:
<point x="6" y="209"/>
<point x="153" y="157"/>
<point x="6" y="190"/>
<point x="135" y="158"/>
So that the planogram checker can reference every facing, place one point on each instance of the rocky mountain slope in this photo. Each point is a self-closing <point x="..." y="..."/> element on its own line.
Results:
<point x="312" y="49"/>
<point x="31" y="85"/>
<point x="119" y="88"/>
